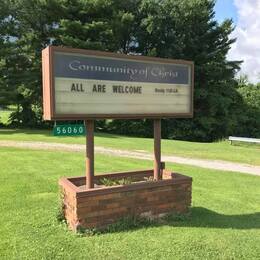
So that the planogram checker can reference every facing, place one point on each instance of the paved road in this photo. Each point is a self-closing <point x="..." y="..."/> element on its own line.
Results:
<point x="210" y="164"/>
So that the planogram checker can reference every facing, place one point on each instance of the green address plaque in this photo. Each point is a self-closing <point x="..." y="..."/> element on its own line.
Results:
<point x="69" y="130"/>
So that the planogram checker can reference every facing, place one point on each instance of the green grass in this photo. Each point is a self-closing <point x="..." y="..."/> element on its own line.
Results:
<point x="4" y="116"/>
<point x="225" y="222"/>
<point x="216" y="151"/>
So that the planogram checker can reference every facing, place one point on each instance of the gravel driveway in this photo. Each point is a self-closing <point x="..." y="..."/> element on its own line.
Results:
<point x="210" y="164"/>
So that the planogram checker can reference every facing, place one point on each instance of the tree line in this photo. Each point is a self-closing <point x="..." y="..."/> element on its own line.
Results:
<point x="162" y="28"/>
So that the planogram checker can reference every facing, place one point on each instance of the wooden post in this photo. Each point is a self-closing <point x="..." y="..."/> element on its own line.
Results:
<point x="89" y="124"/>
<point x="157" y="149"/>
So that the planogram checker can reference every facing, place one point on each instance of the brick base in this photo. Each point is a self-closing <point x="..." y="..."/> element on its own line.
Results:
<point x="101" y="206"/>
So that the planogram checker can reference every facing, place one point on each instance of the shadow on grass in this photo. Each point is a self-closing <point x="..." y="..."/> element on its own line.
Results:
<point x="202" y="217"/>
<point x="246" y="145"/>
<point x="198" y="217"/>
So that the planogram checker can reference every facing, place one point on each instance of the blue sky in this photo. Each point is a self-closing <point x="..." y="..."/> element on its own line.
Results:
<point x="225" y="9"/>
<point x="246" y="17"/>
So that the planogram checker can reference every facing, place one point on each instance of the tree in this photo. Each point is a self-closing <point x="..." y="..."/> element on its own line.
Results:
<point x="187" y="30"/>
<point x="163" y="28"/>
<point x="30" y="24"/>
<point x="7" y="28"/>
<point x="248" y="115"/>
<point x="99" y="24"/>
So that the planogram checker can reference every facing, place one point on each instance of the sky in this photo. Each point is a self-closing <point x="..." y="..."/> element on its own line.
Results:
<point x="246" y="17"/>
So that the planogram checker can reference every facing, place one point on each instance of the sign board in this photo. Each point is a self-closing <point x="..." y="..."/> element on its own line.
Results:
<point x="69" y="130"/>
<point x="83" y="84"/>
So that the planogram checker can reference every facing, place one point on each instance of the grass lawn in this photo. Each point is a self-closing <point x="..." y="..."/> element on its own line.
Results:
<point x="216" y="151"/>
<point x="4" y="116"/>
<point x="225" y="222"/>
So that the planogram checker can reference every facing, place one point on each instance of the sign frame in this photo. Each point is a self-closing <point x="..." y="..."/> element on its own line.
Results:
<point x="49" y="91"/>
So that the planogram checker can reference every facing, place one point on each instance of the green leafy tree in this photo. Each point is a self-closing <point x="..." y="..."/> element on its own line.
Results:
<point x="169" y="29"/>
<point x="187" y="30"/>
<point x="29" y="26"/>
<point x="7" y="29"/>
<point x="248" y="115"/>
<point x="99" y="24"/>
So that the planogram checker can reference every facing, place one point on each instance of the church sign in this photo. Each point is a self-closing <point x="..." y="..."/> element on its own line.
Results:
<point x="83" y="84"/>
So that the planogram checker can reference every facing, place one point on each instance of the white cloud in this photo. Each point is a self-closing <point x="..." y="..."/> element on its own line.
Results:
<point x="247" y="32"/>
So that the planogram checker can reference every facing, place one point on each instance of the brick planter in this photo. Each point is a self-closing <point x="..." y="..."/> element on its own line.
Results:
<point x="102" y="205"/>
